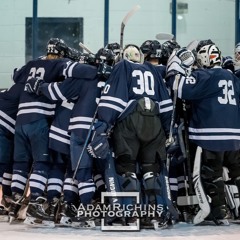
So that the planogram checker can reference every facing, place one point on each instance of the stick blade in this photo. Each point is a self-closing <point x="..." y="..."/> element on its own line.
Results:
<point x="130" y="13"/>
<point x="164" y="36"/>
<point x="192" y="45"/>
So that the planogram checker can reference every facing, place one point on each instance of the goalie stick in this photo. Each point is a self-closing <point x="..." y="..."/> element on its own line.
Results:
<point x="124" y="22"/>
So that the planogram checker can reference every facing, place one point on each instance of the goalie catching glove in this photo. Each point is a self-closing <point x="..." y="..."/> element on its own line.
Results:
<point x="181" y="62"/>
<point x="33" y="84"/>
<point x="99" y="146"/>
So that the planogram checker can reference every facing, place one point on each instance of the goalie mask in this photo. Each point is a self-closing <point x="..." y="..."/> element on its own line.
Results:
<point x="57" y="46"/>
<point x="132" y="53"/>
<point x="203" y="43"/>
<point x="209" y="56"/>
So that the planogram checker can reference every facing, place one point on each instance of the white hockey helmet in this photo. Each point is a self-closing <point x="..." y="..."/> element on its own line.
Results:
<point x="132" y="53"/>
<point x="209" y="55"/>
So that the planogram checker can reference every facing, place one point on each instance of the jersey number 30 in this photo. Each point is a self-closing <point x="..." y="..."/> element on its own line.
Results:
<point x="145" y="82"/>
<point x="228" y="92"/>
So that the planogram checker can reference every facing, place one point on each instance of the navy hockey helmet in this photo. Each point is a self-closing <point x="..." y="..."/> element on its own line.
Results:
<point x="105" y="60"/>
<point x="105" y="55"/>
<point x="151" y="49"/>
<point x="167" y="49"/>
<point x="73" y="54"/>
<point x="115" y="47"/>
<point x="57" y="46"/>
<point x="88" y="58"/>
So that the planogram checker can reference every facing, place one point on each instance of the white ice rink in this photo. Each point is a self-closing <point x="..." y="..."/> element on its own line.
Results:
<point x="178" y="232"/>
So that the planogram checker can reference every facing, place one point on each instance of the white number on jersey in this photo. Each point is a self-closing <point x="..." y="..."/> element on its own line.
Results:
<point x="145" y="82"/>
<point x="228" y="92"/>
<point x="36" y="72"/>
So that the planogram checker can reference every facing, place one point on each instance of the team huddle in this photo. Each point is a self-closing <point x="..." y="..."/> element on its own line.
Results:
<point x="159" y="120"/>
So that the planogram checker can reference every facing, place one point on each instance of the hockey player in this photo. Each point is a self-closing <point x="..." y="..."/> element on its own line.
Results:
<point x="237" y="60"/>
<point x="152" y="52"/>
<point x="213" y="125"/>
<point x="167" y="49"/>
<point x="136" y="104"/>
<point x="87" y="91"/>
<point x="31" y="155"/>
<point x="9" y="99"/>
<point x="60" y="173"/>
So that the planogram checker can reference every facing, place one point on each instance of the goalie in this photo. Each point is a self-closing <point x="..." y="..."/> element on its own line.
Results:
<point x="214" y="125"/>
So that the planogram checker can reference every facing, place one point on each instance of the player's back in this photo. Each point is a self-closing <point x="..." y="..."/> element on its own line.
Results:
<point x="31" y="106"/>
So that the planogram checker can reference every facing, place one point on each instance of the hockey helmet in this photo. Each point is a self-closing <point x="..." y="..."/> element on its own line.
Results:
<point x="151" y="49"/>
<point x="167" y="49"/>
<point x="237" y="52"/>
<point x="203" y="43"/>
<point x="209" y="55"/>
<point x="57" y="46"/>
<point x="132" y="53"/>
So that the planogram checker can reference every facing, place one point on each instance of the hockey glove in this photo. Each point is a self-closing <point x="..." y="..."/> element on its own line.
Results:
<point x="104" y="71"/>
<point x="227" y="63"/>
<point x="181" y="62"/>
<point x="99" y="146"/>
<point x="33" y="84"/>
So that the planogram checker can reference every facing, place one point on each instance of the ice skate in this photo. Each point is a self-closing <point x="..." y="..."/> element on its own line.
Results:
<point x="3" y="214"/>
<point x="83" y="222"/>
<point x="15" y="206"/>
<point x="4" y="208"/>
<point x="218" y="216"/>
<point x="66" y="212"/>
<point x="36" y="215"/>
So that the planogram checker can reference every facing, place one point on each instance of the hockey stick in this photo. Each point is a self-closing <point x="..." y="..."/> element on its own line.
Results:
<point x="164" y="36"/>
<point x="85" y="144"/>
<point x="84" y="47"/>
<point x="192" y="45"/>
<point x="185" y="200"/>
<point x="124" y="22"/>
<point x="170" y="139"/>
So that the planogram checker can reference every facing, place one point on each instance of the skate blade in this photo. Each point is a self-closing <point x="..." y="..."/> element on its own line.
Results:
<point x="12" y="219"/>
<point x="223" y="222"/>
<point x="159" y="226"/>
<point x="65" y="222"/>
<point x="33" y="222"/>
<point x="4" y="218"/>
<point x="84" y="225"/>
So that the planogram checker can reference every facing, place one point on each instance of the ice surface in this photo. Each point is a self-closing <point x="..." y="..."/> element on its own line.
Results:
<point x="179" y="231"/>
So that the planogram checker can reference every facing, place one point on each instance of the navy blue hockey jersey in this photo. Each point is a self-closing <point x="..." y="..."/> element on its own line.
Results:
<point x="215" y="121"/>
<point x="128" y="83"/>
<point x="59" y="137"/>
<point x="87" y="93"/>
<point x="9" y="100"/>
<point x="33" y="107"/>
